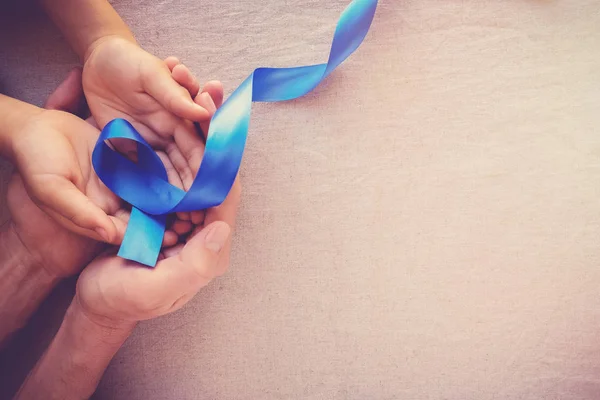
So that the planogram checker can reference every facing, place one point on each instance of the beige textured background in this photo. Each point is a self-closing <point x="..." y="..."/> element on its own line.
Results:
<point x="425" y="226"/>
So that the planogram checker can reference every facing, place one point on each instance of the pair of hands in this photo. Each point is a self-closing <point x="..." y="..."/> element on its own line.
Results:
<point x="60" y="209"/>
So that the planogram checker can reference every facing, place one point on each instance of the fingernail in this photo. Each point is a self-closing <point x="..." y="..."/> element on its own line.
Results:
<point x="103" y="234"/>
<point x="217" y="237"/>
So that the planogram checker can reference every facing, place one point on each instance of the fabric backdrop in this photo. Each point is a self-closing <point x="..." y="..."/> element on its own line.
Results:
<point x="424" y="226"/>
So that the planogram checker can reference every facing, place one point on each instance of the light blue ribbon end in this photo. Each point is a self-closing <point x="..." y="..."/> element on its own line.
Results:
<point x="143" y="238"/>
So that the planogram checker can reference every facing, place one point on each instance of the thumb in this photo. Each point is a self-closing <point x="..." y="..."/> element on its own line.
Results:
<point x="75" y="211"/>
<point x="184" y="274"/>
<point x="207" y="244"/>
<point x="172" y="96"/>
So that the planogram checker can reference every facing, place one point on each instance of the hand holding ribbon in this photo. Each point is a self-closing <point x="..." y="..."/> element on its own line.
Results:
<point x="144" y="184"/>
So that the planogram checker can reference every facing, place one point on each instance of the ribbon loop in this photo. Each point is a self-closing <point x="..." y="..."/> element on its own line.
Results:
<point x="144" y="184"/>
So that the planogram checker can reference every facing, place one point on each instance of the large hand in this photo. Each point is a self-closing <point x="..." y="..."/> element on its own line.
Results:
<point x="59" y="251"/>
<point x="52" y="154"/>
<point x="112" y="290"/>
<point x="53" y="157"/>
<point x="121" y="80"/>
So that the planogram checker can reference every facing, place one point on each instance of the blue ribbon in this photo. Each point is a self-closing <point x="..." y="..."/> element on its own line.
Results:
<point x="145" y="185"/>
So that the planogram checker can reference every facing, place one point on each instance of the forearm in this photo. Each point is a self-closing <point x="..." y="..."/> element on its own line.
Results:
<point x="76" y="359"/>
<point x="14" y="114"/>
<point x="24" y="284"/>
<point x="84" y="23"/>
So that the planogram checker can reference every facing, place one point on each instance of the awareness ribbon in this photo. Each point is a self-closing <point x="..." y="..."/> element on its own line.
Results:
<point x="144" y="184"/>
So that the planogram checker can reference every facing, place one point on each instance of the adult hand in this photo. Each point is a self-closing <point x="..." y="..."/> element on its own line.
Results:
<point x="113" y="291"/>
<point x="56" y="196"/>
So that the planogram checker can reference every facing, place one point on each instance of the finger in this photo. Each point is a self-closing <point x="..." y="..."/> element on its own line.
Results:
<point x="172" y="174"/>
<point x="173" y="251"/>
<point x="195" y="265"/>
<point x="181" y="227"/>
<point x="173" y="97"/>
<point x="201" y="253"/>
<point x="215" y="90"/>
<point x="185" y="78"/>
<point x="171" y="62"/>
<point x="193" y="149"/>
<point x="170" y="239"/>
<point x="121" y="219"/>
<point x="123" y="215"/>
<point x="178" y="171"/>
<point x="121" y="228"/>
<point x="205" y="100"/>
<point x="183" y="270"/>
<point x="180" y="163"/>
<point x="197" y="217"/>
<point x="79" y="214"/>
<point x="184" y="216"/>
<point x="186" y="154"/>
<point x="187" y="151"/>
<point x="68" y="96"/>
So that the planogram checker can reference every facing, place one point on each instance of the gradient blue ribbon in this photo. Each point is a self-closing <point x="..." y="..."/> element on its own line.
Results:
<point x="144" y="184"/>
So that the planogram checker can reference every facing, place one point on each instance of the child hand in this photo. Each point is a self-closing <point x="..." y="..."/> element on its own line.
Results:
<point x="121" y="80"/>
<point x="59" y="250"/>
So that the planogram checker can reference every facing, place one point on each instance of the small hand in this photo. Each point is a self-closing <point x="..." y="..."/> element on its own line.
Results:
<point x="121" y="80"/>
<point x="43" y="225"/>
<point x="182" y="165"/>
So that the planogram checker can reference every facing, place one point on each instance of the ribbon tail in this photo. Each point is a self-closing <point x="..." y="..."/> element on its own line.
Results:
<point x="143" y="237"/>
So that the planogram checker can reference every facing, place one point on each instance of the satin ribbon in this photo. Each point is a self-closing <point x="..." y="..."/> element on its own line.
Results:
<point x="144" y="184"/>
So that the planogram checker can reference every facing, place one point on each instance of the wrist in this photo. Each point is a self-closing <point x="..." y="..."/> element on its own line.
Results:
<point x="85" y="22"/>
<point x="76" y="359"/>
<point x="98" y="42"/>
<point x="102" y="326"/>
<point x="15" y="115"/>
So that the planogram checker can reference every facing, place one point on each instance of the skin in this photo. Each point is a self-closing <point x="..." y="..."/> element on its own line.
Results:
<point x="59" y="209"/>
<point x="52" y="154"/>
<point x="113" y="294"/>
<point x="122" y="80"/>
<point x="37" y="248"/>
